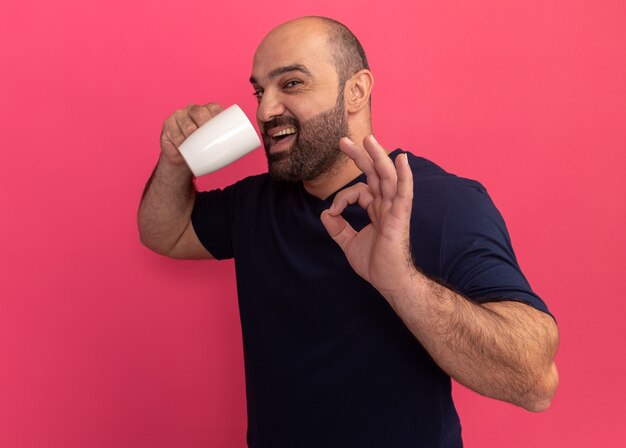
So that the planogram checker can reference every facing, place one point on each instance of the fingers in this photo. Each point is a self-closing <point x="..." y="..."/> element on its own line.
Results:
<point x="182" y="123"/>
<point x="214" y="108"/>
<point x="359" y="193"/>
<point x="395" y="185"/>
<point x="363" y="162"/>
<point x="171" y="135"/>
<point x="388" y="181"/>
<point x="388" y="177"/>
<point x="338" y="228"/>
<point x="373" y="160"/>
<point x="403" y="202"/>
<point x="200" y="114"/>
<point x="194" y="116"/>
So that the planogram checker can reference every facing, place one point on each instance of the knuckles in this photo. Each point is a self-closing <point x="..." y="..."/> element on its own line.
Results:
<point x="185" y="121"/>
<point x="214" y="108"/>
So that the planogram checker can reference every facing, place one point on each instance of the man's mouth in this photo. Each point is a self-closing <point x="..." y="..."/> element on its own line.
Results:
<point x="281" y="137"/>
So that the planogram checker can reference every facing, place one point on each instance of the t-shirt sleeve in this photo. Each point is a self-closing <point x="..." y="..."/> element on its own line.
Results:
<point x="212" y="219"/>
<point x="477" y="257"/>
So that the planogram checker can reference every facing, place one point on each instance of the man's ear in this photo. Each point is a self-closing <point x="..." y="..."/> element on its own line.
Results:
<point x="357" y="91"/>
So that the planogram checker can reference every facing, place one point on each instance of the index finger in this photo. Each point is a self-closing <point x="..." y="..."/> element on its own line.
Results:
<point x="384" y="167"/>
<point x="363" y="162"/>
<point x="200" y="114"/>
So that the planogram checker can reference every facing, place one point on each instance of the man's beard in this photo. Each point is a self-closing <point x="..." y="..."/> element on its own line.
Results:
<point x="315" y="150"/>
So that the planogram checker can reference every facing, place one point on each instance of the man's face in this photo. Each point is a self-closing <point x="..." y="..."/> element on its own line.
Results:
<point x="312" y="151"/>
<point x="301" y="112"/>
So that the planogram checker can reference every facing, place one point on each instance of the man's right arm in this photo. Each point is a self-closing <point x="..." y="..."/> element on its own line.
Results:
<point x="164" y="217"/>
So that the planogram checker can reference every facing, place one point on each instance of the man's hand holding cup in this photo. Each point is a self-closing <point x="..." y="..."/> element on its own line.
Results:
<point x="207" y="137"/>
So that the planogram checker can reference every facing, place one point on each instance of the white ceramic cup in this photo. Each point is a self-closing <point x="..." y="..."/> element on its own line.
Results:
<point x="220" y="141"/>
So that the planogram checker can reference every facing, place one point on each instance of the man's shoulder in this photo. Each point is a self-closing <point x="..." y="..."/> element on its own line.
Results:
<point x="429" y="177"/>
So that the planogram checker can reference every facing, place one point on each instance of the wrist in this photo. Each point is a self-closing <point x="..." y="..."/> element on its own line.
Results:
<point x="408" y="284"/>
<point x="173" y="172"/>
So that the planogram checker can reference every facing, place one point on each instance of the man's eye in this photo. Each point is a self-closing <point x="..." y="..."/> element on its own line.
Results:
<point x="258" y="94"/>
<point x="292" y="83"/>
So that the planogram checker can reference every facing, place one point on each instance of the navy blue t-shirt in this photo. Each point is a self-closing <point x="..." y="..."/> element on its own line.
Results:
<point x="328" y="362"/>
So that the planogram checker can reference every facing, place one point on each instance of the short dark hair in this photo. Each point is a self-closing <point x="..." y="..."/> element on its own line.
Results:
<point x="347" y="52"/>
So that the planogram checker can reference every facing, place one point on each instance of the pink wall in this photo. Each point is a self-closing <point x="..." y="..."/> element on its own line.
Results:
<point x="104" y="344"/>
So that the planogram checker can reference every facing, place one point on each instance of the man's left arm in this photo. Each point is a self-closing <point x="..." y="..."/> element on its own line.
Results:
<point x="503" y="350"/>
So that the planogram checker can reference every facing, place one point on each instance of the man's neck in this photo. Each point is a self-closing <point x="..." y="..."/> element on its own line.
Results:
<point x="345" y="170"/>
<point x="330" y="182"/>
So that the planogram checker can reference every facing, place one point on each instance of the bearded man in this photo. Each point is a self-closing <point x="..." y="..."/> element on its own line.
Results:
<point x="366" y="278"/>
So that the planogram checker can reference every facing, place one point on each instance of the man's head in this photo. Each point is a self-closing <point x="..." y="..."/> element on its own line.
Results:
<point x="312" y="81"/>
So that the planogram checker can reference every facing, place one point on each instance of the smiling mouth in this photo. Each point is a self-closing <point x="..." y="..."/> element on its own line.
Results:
<point x="280" y="138"/>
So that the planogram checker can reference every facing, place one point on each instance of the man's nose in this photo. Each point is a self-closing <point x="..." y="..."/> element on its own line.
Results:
<point x="269" y="107"/>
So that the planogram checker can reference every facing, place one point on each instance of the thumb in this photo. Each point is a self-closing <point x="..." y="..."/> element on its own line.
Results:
<point x="338" y="228"/>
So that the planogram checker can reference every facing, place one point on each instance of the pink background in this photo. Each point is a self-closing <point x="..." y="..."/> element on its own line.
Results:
<point x="105" y="344"/>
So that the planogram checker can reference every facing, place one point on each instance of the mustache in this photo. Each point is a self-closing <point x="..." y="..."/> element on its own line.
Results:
<point x="280" y="121"/>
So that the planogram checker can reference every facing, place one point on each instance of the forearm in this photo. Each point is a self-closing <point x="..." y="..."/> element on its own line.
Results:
<point x="503" y="350"/>
<point x="166" y="206"/>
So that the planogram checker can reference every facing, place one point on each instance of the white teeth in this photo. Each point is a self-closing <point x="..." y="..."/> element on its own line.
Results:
<point x="285" y="132"/>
